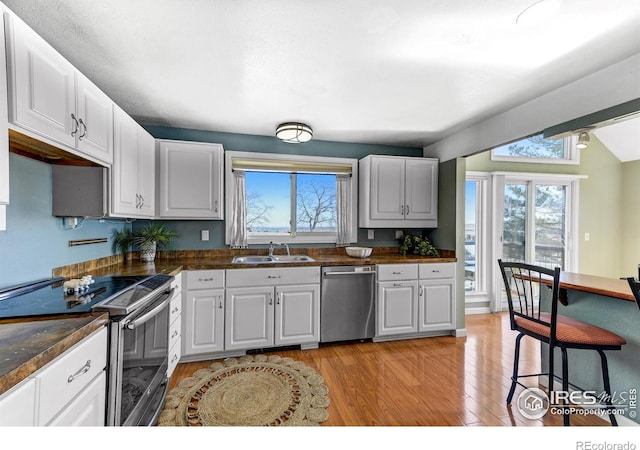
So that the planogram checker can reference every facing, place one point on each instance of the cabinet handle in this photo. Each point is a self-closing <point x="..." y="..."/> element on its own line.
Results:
<point x="398" y="273"/>
<point x="407" y="210"/>
<point x="175" y="310"/>
<point x="216" y="206"/>
<point x="141" y="201"/>
<point x="435" y="271"/>
<point x="398" y="284"/>
<point x="175" y="358"/>
<point x="220" y="302"/>
<point x="279" y="298"/>
<point x="274" y="276"/>
<point x="137" y="201"/>
<point x="84" y="369"/>
<point x="271" y="299"/>
<point x="402" y="210"/>
<point x="175" y="333"/>
<point x="421" y="290"/>
<point x="75" y="122"/>
<point x="205" y="279"/>
<point x="84" y="129"/>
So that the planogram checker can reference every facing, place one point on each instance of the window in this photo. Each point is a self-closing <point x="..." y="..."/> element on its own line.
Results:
<point x="288" y="204"/>
<point x="537" y="149"/>
<point x="292" y="199"/>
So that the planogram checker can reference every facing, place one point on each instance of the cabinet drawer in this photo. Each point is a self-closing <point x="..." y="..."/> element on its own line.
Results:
<point x="392" y="272"/>
<point x="437" y="270"/>
<point x="177" y="282"/>
<point x="175" y="307"/>
<point x="174" y="358"/>
<point x="205" y="279"/>
<point x="88" y="409"/>
<point x="273" y="276"/>
<point x="175" y="330"/>
<point x="70" y="373"/>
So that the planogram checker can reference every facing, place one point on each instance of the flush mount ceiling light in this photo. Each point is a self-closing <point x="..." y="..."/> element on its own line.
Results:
<point x="294" y="132"/>
<point x="583" y="140"/>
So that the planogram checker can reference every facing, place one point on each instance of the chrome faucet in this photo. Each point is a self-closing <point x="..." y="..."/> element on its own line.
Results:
<point x="287" y="247"/>
<point x="272" y="247"/>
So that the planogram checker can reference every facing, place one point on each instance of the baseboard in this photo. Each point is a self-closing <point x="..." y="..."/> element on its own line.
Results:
<point x="460" y="332"/>
<point x="477" y="310"/>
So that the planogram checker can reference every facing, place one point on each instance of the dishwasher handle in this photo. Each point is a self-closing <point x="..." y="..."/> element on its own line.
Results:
<point x="371" y="272"/>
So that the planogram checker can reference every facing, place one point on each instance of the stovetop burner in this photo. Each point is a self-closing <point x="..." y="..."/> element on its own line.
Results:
<point x="47" y="297"/>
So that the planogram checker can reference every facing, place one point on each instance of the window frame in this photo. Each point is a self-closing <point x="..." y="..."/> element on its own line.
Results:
<point x="299" y="237"/>
<point x="572" y="155"/>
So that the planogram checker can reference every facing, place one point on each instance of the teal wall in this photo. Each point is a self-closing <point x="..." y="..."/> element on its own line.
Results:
<point x="35" y="241"/>
<point x="189" y="230"/>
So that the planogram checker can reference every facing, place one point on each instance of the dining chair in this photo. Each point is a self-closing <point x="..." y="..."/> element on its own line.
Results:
<point x="635" y="289"/>
<point x="532" y="294"/>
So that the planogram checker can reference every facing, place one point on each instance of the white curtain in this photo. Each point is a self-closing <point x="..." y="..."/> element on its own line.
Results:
<point x="343" y="209"/>
<point x="238" y="226"/>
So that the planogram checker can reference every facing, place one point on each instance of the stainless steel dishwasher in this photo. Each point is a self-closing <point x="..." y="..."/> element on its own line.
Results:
<point x="347" y="310"/>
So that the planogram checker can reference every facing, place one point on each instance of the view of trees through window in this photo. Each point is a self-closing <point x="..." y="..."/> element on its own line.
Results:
<point x="534" y="147"/>
<point x="271" y="210"/>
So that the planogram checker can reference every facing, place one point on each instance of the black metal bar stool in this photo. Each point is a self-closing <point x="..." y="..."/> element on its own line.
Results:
<point x="524" y="287"/>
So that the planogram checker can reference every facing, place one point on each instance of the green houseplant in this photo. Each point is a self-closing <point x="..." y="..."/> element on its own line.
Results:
<point x="146" y="239"/>
<point x="417" y="245"/>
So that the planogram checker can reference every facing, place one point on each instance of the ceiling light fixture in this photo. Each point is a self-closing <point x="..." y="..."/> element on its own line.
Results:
<point x="583" y="140"/>
<point x="294" y="132"/>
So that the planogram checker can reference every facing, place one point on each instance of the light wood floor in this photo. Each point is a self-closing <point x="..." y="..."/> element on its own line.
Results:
<point x="435" y="381"/>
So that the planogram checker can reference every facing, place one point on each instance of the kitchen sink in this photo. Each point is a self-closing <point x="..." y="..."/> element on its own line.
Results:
<point x="261" y="259"/>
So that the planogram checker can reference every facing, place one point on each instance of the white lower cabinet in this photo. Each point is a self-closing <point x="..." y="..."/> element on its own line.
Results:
<point x="17" y="406"/>
<point x="437" y="305"/>
<point x="70" y="390"/>
<point x="272" y="307"/>
<point x="415" y="298"/>
<point x="175" y="325"/>
<point x="397" y="299"/>
<point x="203" y="312"/>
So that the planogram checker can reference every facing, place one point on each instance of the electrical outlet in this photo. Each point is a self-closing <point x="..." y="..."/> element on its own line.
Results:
<point x="586" y="236"/>
<point x="204" y="235"/>
<point x="370" y="234"/>
<point x="399" y="234"/>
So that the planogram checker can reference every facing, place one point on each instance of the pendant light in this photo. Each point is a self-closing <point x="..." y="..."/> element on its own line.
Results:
<point x="294" y="132"/>
<point x="583" y="140"/>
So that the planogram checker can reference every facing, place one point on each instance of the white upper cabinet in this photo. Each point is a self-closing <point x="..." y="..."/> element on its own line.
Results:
<point x="191" y="175"/>
<point x="4" y="134"/>
<point x="133" y="171"/>
<point x="49" y="99"/>
<point x="398" y="192"/>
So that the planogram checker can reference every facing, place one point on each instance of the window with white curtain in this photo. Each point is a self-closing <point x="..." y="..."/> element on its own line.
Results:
<point x="292" y="199"/>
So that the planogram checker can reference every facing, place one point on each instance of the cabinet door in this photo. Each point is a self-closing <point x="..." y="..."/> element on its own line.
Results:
<point x="4" y="132"/>
<point x="421" y="189"/>
<point x="42" y="86"/>
<point x="397" y="308"/>
<point x="146" y="173"/>
<point x="88" y="409"/>
<point x="190" y="180"/>
<point x="249" y="318"/>
<point x="95" y="111"/>
<point x="124" y="173"/>
<point x="387" y="188"/>
<point x="297" y="317"/>
<point x="17" y="407"/>
<point x="437" y="305"/>
<point x="203" y="321"/>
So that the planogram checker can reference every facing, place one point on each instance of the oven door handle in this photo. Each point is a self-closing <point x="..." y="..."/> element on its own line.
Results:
<point x="154" y="312"/>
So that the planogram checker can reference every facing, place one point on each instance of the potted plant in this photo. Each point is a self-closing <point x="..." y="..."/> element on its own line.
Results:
<point x="147" y="239"/>
<point x="418" y="245"/>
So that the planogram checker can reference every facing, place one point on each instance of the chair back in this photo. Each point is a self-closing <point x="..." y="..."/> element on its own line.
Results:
<point x="524" y="285"/>
<point x="635" y="288"/>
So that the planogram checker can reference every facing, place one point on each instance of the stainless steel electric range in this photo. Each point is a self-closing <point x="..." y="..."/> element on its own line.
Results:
<point x="138" y="308"/>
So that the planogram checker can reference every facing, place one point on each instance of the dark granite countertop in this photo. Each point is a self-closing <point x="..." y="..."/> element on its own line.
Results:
<point x="26" y="345"/>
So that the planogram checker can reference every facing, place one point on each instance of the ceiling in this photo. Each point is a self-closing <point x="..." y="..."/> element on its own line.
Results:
<point x="397" y="72"/>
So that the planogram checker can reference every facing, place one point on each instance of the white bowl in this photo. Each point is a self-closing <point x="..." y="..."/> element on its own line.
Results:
<point x="359" y="252"/>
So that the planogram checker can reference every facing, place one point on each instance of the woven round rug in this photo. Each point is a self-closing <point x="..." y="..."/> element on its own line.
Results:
<point x="253" y="390"/>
